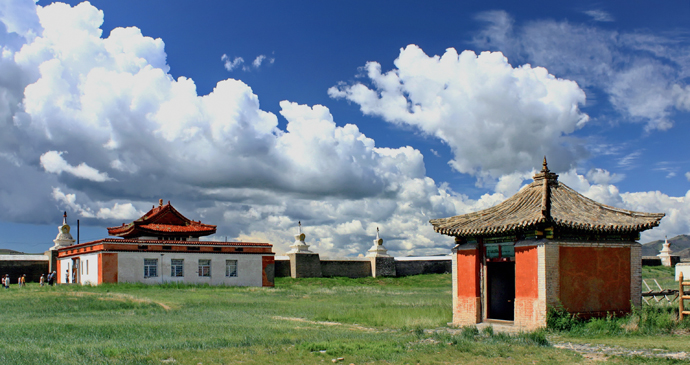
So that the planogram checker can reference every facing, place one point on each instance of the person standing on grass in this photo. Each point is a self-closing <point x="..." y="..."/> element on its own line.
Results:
<point x="53" y="277"/>
<point x="7" y="281"/>
<point x="23" y="281"/>
<point x="41" y="280"/>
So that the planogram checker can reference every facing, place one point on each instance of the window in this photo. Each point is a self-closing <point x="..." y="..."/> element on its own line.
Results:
<point x="176" y="268"/>
<point x="87" y="268"/>
<point x="231" y="268"/>
<point x="205" y="268"/>
<point x="150" y="268"/>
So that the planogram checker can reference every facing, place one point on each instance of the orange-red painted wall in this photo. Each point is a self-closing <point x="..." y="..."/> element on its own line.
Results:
<point x="267" y="262"/>
<point x="466" y="301"/>
<point x="468" y="274"/>
<point x="526" y="272"/>
<point x="527" y="307"/>
<point x="107" y="268"/>
<point x="595" y="279"/>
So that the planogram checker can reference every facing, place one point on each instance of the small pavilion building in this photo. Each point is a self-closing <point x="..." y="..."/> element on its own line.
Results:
<point x="163" y="246"/>
<point x="546" y="246"/>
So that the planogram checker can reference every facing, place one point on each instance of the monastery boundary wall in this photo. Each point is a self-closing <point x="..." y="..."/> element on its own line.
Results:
<point x="361" y="267"/>
<point x="30" y="265"/>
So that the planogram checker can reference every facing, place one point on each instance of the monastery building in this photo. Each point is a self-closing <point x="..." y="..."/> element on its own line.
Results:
<point x="160" y="247"/>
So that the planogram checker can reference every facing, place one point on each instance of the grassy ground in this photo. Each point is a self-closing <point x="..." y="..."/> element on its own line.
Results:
<point x="664" y="275"/>
<point x="300" y="321"/>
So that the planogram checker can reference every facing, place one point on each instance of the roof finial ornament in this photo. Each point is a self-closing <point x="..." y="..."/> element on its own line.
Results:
<point x="299" y="223"/>
<point x="545" y="174"/>
<point x="160" y="202"/>
<point x="545" y="168"/>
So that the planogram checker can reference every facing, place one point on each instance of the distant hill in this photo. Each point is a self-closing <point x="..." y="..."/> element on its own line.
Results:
<point x="4" y="251"/>
<point x="680" y="245"/>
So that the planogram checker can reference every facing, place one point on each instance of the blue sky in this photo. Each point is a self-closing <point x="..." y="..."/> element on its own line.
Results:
<point x="339" y="114"/>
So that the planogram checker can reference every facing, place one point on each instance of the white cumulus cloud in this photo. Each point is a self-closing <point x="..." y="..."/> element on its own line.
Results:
<point x="231" y="64"/>
<point x="52" y="161"/>
<point x="643" y="75"/>
<point x="113" y="105"/>
<point x="497" y="119"/>
<point x="136" y="134"/>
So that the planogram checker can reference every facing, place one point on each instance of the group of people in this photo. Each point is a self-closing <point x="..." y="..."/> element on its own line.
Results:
<point x="50" y="279"/>
<point x="6" y="281"/>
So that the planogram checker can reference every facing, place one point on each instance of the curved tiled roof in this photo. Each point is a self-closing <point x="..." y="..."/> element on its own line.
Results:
<point x="169" y="242"/>
<point x="547" y="200"/>
<point x="162" y="220"/>
<point x="193" y="227"/>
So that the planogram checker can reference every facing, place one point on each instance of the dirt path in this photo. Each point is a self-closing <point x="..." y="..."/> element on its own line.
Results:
<point x="602" y="352"/>
<point x="120" y="297"/>
<point x="324" y="323"/>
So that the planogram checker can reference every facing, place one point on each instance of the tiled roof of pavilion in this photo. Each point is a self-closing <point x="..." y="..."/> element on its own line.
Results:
<point x="163" y="220"/>
<point x="546" y="200"/>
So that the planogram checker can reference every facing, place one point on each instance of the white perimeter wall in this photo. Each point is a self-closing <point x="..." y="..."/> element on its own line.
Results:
<point x="130" y="267"/>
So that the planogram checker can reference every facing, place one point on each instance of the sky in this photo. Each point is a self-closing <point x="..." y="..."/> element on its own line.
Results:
<point x="346" y="116"/>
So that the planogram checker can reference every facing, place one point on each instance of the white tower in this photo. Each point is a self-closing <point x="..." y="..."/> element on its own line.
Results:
<point x="665" y="253"/>
<point x="299" y="246"/>
<point x="64" y="238"/>
<point x="377" y="250"/>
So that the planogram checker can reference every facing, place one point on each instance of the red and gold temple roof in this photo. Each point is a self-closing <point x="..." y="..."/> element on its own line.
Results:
<point x="162" y="221"/>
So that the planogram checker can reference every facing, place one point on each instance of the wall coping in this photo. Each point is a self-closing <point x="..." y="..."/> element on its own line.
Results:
<point x="24" y="258"/>
<point x="413" y="258"/>
<point x="425" y="258"/>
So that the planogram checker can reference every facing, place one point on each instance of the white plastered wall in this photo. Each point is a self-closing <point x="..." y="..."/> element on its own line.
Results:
<point x="88" y="271"/>
<point x="249" y="268"/>
<point x="65" y="266"/>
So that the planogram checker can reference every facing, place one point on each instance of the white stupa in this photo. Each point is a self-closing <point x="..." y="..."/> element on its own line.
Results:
<point x="64" y="238"/>
<point x="299" y="246"/>
<point x="665" y="253"/>
<point x="377" y="250"/>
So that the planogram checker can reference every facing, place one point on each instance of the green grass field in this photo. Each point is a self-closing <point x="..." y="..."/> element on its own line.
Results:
<point x="300" y="321"/>
<point x="664" y="275"/>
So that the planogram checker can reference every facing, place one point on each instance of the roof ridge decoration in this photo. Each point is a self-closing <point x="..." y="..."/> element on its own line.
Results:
<point x="546" y="200"/>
